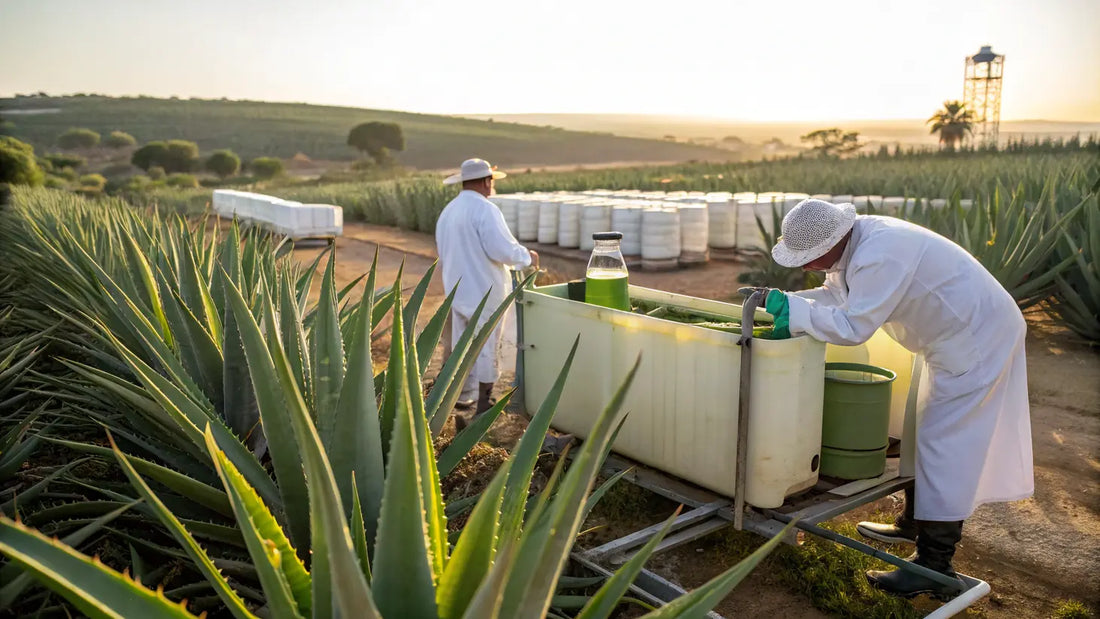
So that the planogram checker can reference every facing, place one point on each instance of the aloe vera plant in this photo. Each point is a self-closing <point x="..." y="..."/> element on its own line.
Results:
<point x="1076" y="298"/>
<point x="185" y="349"/>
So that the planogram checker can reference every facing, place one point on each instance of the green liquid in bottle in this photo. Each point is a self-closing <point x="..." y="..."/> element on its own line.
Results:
<point x="607" y="288"/>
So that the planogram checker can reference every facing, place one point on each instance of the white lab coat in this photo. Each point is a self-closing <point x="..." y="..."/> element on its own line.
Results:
<point x="935" y="299"/>
<point x="475" y="251"/>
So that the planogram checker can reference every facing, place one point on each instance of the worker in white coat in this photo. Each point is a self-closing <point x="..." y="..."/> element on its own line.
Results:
<point x="476" y="249"/>
<point x="973" y="443"/>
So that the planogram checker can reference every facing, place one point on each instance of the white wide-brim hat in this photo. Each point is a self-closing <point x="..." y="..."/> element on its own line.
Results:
<point x="810" y="230"/>
<point x="473" y="169"/>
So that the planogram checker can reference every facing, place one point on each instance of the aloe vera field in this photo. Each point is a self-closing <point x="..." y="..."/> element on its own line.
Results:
<point x="196" y="417"/>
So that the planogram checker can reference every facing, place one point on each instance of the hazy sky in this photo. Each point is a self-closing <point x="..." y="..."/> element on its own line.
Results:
<point x="758" y="60"/>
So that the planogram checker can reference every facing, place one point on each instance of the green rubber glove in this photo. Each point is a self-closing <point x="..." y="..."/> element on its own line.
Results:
<point x="776" y="305"/>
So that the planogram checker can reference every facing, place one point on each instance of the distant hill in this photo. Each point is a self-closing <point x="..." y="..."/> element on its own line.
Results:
<point x="701" y="129"/>
<point x="284" y="129"/>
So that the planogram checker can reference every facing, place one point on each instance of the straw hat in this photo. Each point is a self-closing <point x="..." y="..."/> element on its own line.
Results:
<point x="473" y="169"/>
<point x="811" y="229"/>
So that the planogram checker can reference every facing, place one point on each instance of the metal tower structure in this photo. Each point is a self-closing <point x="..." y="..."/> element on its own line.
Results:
<point x="982" y="93"/>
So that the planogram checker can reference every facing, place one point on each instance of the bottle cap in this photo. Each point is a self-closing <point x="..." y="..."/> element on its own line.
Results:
<point x="607" y="236"/>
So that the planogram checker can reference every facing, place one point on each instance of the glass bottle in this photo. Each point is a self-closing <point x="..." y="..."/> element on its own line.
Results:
<point x="606" y="277"/>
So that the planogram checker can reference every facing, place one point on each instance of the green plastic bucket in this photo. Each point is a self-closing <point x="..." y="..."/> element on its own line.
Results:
<point x="855" y="426"/>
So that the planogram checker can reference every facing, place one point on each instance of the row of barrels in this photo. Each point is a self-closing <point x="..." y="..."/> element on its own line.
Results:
<point x="669" y="228"/>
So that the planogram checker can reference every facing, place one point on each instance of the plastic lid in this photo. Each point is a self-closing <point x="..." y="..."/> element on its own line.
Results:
<point x="607" y="236"/>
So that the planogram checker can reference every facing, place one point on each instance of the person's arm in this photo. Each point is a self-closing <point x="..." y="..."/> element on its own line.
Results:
<point x="874" y="291"/>
<point x="825" y="293"/>
<point x="498" y="242"/>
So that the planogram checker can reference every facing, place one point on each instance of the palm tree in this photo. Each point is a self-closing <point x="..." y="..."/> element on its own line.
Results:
<point x="954" y="122"/>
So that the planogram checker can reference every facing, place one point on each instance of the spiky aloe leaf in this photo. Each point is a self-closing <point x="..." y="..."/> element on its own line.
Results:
<point x="359" y="531"/>
<point x="701" y="600"/>
<point x="465" y="440"/>
<point x="277" y="564"/>
<point x="434" y="510"/>
<point x="428" y="339"/>
<point x="332" y="546"/>
<point x="95" y="589"/>
<point x="356" y="449"/>
<point x="403" y="583"/>
<point x="186" y="486"/>
<point x="604" y="602"/>
<point x="327" y="357"/>
<point x="527" y="452"/>
<point x="544" y="548"/>
<point x="29" y="494"/>
<point x="454" y="372"/>
<point x="275" y="413"/>
<point x="474" y="553"/>
<point x="17" y="583"/>
<point x="202" y="561"/>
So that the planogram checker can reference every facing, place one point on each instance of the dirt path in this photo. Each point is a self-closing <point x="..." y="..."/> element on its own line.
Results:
<point x="1033" y="553"/>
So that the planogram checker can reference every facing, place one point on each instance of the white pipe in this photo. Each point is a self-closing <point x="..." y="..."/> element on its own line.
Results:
<point x="976" y="591"/>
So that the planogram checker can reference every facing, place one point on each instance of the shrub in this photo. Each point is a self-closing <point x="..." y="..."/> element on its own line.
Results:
<point x="68" y="174"/>
<point x="44" y="164"/>
<point x="78" y="138"/>
<point x="181" y="180"/>
<point x="224" y="163"/>
<point x="118" y="169"/>
<point x="377" y="139"/>
<point x="56" y="182"/>
<point x="182" y="156"/>
<point x="156" y="173"/>
<point x="120" y="139"/>
<point x="97" y="181"/>
<point x="17" y="163"/>
<point x="266" y="167"/>
<point x="152" y="154"/>
<point x="61" y="160"/>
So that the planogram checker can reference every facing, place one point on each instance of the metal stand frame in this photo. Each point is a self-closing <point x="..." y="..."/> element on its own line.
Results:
<point x="710" y="512"/>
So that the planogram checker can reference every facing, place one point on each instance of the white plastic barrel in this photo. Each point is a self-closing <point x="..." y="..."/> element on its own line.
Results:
<point x="626" y="217"/>
<point x="569" y="223"/>
<point x="595" y="217"/>
<point x="937" y="203"/>
<point x="660" y="234"/>
<point x="722" y="225"/>
<point x="548" y="221"/>
<point x="527" y="218"/>
<point x="791" y="200"/>
<point x="843" y="199"/>
<point x="966" y="203"/>
<point x="823" y="196"/>
<point x="694" y="228"/>
<point x="893" y="205"/>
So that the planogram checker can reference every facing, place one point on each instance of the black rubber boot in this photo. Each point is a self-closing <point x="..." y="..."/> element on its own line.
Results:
<point x="485" y="399"/>
<point x="903" y="531"/>
<point x="935" y="548"/>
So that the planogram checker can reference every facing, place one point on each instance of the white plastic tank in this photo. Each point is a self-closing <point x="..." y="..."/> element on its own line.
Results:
<point x="626" y="217"/>
<point x="684" y="400"/>
<point x="861" y="203"/>
<point x="966" y="203"/>
<point x="548" y="221"/>
<point x="937" y="203"/>
<point x="722" y="225"/>
<point x="595" y="217"/>
<point x="843" y="198"/>
<point x="569" y="223"/>
<point x="661" y="233"/>
<point x="527" y="218"/>
<point x="694" y="228"/>
<point x="823" y="196"/>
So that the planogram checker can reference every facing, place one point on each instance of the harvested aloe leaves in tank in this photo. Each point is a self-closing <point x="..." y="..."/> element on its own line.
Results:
<point x="698" y="318"/>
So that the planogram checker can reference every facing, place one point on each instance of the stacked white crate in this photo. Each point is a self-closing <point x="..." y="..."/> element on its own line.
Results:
<point x="286" y="217"/>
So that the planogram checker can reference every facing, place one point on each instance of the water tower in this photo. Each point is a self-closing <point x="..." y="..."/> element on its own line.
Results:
<point x="982" y="93"/>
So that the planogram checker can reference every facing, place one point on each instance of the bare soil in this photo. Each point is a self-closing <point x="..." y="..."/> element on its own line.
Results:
<point x="1034" y="553"/>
